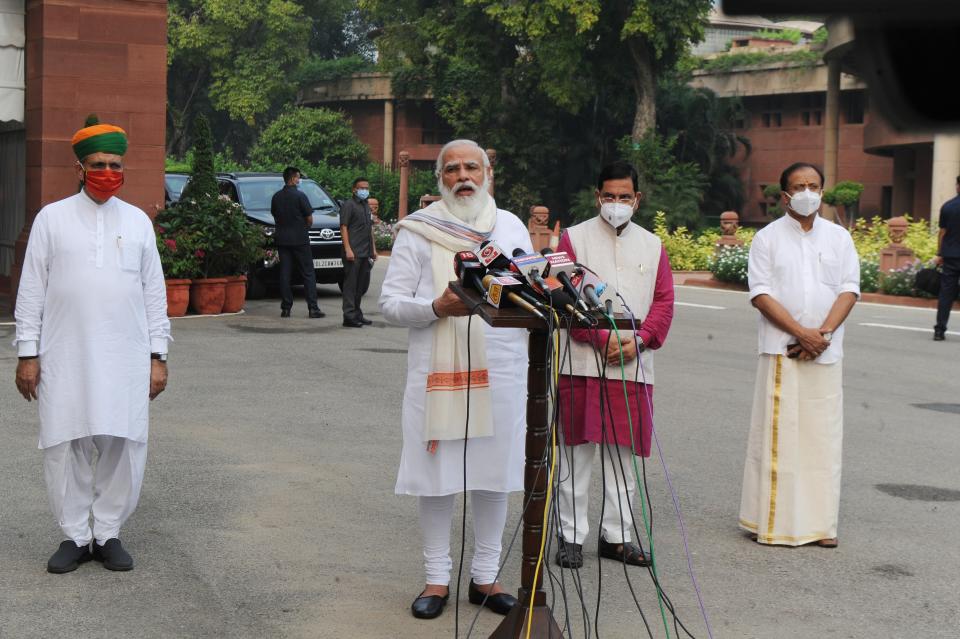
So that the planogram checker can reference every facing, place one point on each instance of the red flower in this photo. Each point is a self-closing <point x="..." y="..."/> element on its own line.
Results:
<point x="171" y="244"/>
<point x="161" y="229"/>
<point x="199" y="253"/>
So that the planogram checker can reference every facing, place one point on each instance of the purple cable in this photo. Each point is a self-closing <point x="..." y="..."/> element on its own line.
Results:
<point x="666" y="473"/>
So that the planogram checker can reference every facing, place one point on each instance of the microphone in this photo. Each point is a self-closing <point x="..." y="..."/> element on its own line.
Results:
<point x="560" y="298"/>
<point x="498" y="288"/>
<point x="590" y="285"/>
<point x="524" y="290"/>
<point x="469" y="270"/>
<point x="493" y="257"/>
<point x="531" y="266"/>
<point x="562" y="267"/>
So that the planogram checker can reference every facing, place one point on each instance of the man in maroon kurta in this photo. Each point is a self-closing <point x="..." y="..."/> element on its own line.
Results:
<point x="592" y="404"/>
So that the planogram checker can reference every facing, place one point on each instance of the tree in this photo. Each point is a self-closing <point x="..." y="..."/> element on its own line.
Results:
<point x="302" y="135"/>
<point x="846" y="194"/>
<point x="579" y="44"/>
<point x="203" y="173"/>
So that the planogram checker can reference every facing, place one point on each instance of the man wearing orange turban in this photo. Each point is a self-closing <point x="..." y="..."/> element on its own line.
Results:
<point x="92" y="316"/>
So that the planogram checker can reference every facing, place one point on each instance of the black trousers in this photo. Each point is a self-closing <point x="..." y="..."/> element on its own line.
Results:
<point x="949" y="278"/>
<point x="356" y="280"/>
<point x="300" y="258"/>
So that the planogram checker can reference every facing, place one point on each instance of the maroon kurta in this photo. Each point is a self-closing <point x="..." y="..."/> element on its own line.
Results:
<point x="581" y="420"/>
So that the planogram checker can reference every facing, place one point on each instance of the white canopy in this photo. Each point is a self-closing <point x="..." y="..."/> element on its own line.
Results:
<point x="11" y="60"/>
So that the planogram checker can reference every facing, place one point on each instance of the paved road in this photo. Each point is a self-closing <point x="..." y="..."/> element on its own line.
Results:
<point x="268" y="506"/>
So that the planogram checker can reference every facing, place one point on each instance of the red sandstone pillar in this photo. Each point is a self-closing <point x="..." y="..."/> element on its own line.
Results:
<point x="93" y="56"/>
<point x="492" y="154"/>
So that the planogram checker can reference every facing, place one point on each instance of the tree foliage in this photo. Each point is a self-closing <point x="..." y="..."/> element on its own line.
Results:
<point x="303" y="135"/>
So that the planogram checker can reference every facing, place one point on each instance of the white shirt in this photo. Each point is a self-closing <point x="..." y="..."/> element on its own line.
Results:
<point x="805" y="271"/>
<point x="92" y="304"/>
<point x="493" y="463"/>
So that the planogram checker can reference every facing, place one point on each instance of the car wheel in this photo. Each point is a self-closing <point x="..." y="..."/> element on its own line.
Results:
<point x="256" y="289"/>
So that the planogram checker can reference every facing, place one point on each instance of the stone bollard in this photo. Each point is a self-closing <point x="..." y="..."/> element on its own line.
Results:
<point x="729" y="223"/>
<point x="895" y="255"/>
<point x="537" y="227"/>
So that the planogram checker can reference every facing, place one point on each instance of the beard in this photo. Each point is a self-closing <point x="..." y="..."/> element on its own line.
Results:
<point x="466" y="208"/>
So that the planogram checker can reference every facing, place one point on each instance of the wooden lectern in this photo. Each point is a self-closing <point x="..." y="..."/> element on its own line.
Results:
<point x="536" y="472"/>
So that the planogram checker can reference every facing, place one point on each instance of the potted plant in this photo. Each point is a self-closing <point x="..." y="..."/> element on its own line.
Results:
<point x="180" y="264"/>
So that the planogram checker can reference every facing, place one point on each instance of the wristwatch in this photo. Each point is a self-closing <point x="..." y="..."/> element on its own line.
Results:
<point x="640" y="345"/>
<point x="159" y="356"/>
<point x="828" y="335"/>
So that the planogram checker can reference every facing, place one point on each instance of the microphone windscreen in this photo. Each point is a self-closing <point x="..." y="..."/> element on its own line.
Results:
<point x="546" y="250"/>
<point x="517" y="252"/>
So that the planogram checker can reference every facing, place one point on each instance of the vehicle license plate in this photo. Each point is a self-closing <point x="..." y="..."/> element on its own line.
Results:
<point x="330" y="263"/>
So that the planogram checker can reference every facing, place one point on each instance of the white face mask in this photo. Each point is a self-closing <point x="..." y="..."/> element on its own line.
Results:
<point x="805" y="203"/>
<point x="616" y="214"/>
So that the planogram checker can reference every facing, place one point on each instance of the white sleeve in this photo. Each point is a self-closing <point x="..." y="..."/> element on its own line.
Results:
<point x="398" y="296"/>
<point x="850" y="279"/>
<point x="33" y="288"/>
<point x="154" y="293"/>
<point x="759" y="268"/>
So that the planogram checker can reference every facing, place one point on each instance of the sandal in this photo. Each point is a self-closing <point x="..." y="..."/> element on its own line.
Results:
<point x="569" y="554"/>
<point x="828" y="543"/>
<point x="628" y="553"/>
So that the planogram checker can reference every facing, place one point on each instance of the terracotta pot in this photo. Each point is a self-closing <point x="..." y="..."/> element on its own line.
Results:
<point x="236" y="293"/>
<point x="178" y="296"/>
<point x="206" y="295"/>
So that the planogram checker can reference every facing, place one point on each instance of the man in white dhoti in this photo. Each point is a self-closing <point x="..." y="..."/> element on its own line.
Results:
<point x="804" y="277"/>
<point x="415" y="294"/>
<point x="92" y="334"/>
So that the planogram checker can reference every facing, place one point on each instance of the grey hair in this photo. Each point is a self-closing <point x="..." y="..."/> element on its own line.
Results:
<point x="462" y="142"/>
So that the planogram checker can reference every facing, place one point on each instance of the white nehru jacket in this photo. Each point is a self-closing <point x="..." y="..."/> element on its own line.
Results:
<point x="805" y="271"/>
<point x="92" y="303"/>
<point x="628" y="263"/>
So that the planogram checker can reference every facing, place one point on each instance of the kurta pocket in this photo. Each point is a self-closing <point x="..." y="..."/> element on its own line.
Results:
<point x="130" y="254"/>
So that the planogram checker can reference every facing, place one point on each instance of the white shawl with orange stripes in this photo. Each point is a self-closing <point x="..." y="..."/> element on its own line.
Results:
<point x="454" y="383"/>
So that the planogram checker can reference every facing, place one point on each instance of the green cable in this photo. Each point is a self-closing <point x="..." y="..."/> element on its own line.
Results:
<point x="636" y="476"/>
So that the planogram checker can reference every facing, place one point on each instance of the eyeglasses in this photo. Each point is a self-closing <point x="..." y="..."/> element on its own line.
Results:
<point x="625" y="198"/>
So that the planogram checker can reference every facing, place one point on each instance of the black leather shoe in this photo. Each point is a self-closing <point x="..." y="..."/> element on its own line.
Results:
<point x="569" y="554"/>
<point x="939" y="336"/>
<point x="352" y="324"/>
<point x="500" y="603"/>
<point x="317" y="313"/>
<point x="68" y="557"/>
<point x="365" y="321"/>
<point x="113" y="556"/>
<point x="284" y="312"/>
<point x="428" y="607"/>
<point x="626" y="552"/>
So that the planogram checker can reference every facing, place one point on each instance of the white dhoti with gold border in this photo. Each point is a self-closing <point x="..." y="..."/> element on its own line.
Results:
<point x="791" y="479"/>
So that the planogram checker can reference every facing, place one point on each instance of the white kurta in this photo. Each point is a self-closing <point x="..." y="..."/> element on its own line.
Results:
<point x="92" y="303"/>
<point x="493" y="463"/>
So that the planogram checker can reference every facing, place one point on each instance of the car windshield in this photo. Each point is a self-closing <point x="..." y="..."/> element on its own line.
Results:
<point x="256" y="194"/>
<point x="175" y="184"/>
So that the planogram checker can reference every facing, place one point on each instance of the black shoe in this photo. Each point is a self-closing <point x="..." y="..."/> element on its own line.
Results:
<point x="626" y="552"/>
<point x="428" y="607"/>
<point x="317" y="313"/>
<point x="284" y="312"/>
<point x="569" y="554"/>
<point x="352" y="324"/>
<point x="500" y="603"/>
<point x="939" y="336"/>
<point x="365" y="321"/>
<point x="113" y="556"/>
<point x="68" y="557"/>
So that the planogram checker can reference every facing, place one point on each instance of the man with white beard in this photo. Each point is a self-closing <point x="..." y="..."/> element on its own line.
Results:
<point x="442" y="373"/>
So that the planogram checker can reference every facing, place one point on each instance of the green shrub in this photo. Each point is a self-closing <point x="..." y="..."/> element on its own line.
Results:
<point x="869" y="275"/>
<point x="303" y="135"/>
<point x="870" y="237"/>
<point x="789" y="35"/>
<point x="731" y="264"/>
<point x="383" y="236"/>
<point x="730" y="61"/>
<point x="317" y="69"/>
<point x="820" y="36"/>
<point x="900" y="281"/>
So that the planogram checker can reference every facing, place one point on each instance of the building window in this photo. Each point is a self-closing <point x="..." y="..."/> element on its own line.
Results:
<point x="811" y="118"/>
<point x="772" y="119"/>
<point x="886" y="202"/>
<point x="853" y="104"/>
<point x="433" y="129"/>
<point x="818" y="118"/>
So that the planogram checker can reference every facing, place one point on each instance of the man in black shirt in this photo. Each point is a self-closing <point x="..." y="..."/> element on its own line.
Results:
<point x="356" y="229"/>
<point x="948" y="257"/>
<point x="293" y="216"/>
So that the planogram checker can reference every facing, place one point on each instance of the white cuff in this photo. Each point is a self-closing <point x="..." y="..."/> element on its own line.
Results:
<point x="29" y="348"/>
<point x="158" y="345"/>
